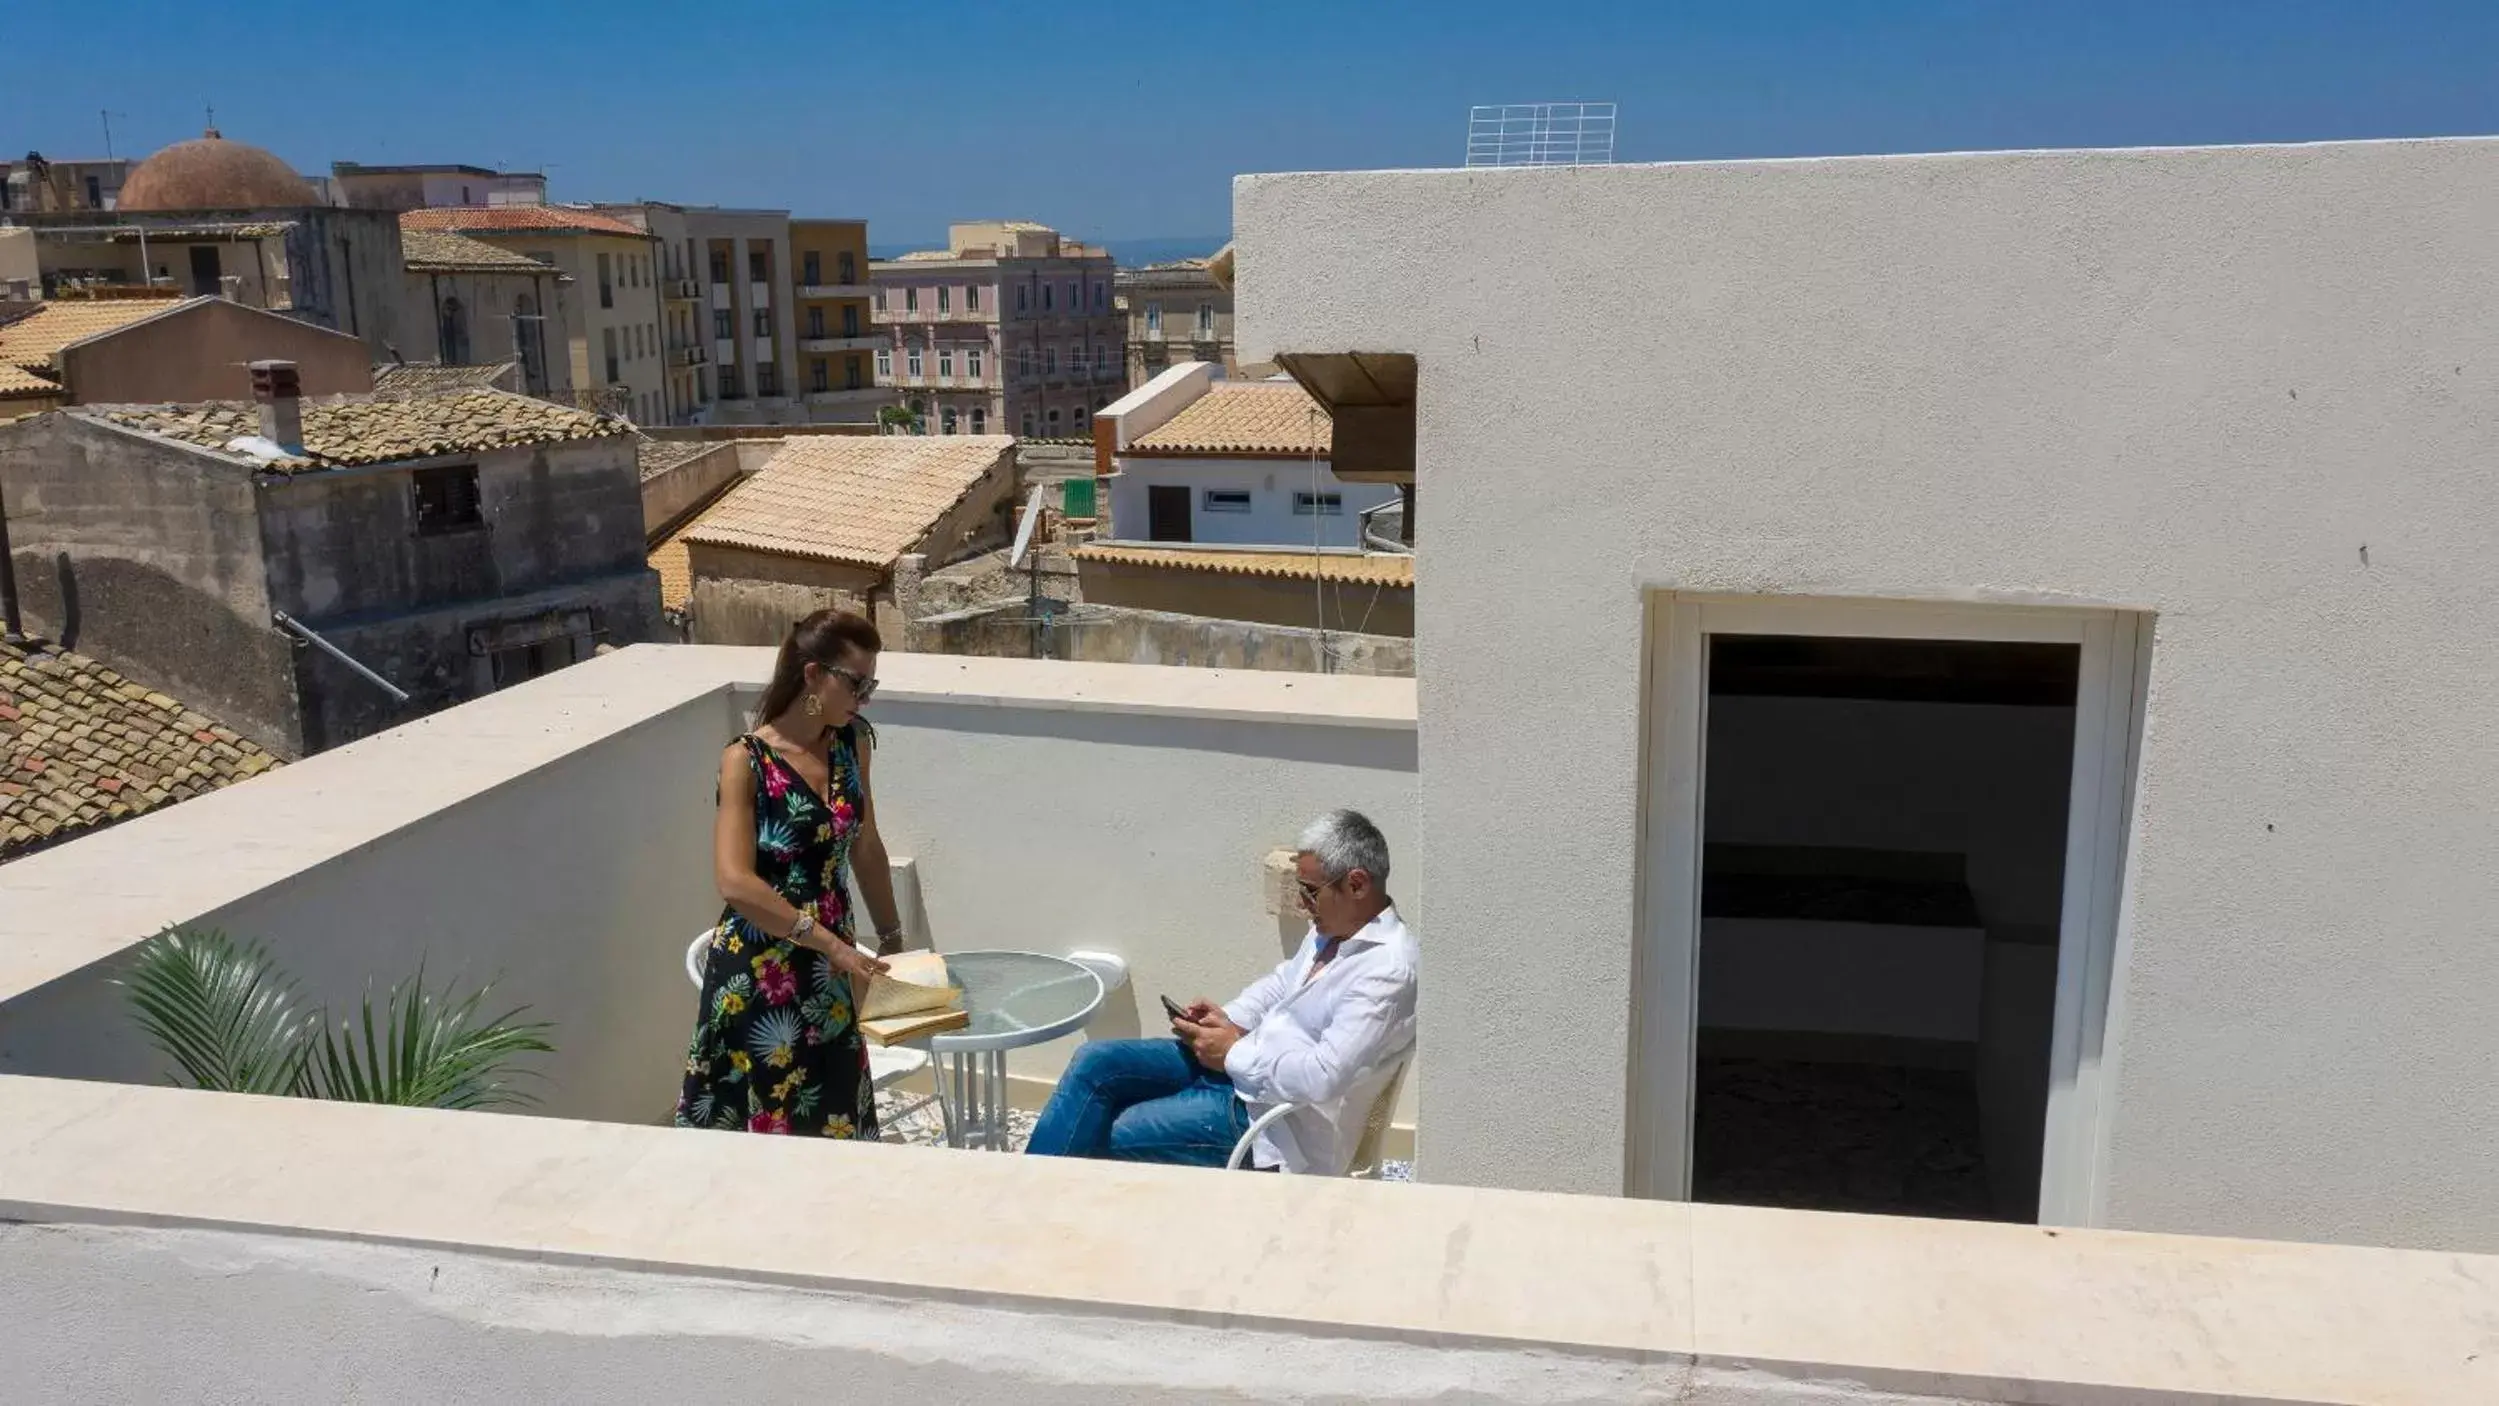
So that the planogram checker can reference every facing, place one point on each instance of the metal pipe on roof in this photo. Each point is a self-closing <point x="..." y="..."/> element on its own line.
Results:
<point x="304" y="632"/>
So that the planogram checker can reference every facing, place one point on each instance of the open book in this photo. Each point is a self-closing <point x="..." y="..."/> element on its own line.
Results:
<point x="912" y="999"/>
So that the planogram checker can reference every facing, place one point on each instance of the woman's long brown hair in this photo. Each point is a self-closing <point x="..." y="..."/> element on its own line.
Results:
<point x="820" y="639"/>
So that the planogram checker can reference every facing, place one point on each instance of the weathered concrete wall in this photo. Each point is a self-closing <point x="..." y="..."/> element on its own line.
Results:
<point x="492" y="306"/>
<point x="742" y="597"/>
<point x="2252" y="390"/>
<point x="202" y="352"/>
<point x="1103" y="634"/>
<point x="345" y="272"/>
<point x="667" y="496"/>
<point x="148" y="557"/>
<point x="1373" y="610"/>
<point x="562" y="536"/>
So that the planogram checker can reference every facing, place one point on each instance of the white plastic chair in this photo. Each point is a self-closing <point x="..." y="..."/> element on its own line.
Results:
<point x="1367" y="1160"/>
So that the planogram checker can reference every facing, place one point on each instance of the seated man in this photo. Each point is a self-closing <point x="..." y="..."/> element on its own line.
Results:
<point x="1321" y="1032"/>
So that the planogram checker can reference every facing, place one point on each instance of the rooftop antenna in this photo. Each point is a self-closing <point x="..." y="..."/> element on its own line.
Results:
<point x="1540" y="134"/>
<point x="1024" y="555"/>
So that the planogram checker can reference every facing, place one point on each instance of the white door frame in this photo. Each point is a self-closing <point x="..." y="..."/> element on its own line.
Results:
<point x="2108" y="707"/>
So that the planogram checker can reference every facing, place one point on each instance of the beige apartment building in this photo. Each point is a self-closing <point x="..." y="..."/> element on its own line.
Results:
<point x="615" y="350"/>
<point x="1176" y="312"/>
<point x="836" y="331"/>
<point x="1008" y="329"/>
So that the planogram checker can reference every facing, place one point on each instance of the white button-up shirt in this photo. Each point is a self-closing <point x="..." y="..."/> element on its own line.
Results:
<point x="1325" y="1044"/>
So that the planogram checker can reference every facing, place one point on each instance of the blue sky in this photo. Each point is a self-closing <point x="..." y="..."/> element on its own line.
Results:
<point x="1128" y="121"/>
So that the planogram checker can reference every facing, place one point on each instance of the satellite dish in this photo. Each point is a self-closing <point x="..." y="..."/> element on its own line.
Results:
<point x="1024" y="530"/>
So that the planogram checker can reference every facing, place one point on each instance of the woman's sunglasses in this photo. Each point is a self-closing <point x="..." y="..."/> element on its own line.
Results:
<point x="862" y="687"/>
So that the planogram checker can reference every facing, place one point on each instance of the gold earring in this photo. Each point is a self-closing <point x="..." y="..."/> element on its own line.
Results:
<point x="814" y="708"/>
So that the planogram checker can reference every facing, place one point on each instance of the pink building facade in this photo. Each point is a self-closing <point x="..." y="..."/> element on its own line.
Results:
<point x="1010" y="329"/>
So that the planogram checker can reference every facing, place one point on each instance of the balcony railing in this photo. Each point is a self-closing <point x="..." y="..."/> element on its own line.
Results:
<point x="686" y="354"/>
<point x="832" y="290"/>
<point x="829" y="342"/>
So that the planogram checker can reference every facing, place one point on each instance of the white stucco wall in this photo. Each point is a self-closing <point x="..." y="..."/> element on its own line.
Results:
<point x="2250" y="390"/>
<point x="1271" y="484"/>
<point x="556" y="839"/>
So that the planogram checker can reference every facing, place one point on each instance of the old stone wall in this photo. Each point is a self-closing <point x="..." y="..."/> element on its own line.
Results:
<point x="1117" y="635"/>
<point x="147" y="557"/>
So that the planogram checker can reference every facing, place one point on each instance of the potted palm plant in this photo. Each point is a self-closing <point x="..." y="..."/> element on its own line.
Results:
<point x="232" y="1022"/>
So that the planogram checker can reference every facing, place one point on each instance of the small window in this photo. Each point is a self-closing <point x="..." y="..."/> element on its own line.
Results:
<point x="850" y="373"/>
<point x="1024" y="362"/>
<point x="972" y="298"/>
<point x="980" y="420"/>
<point x="945" y="361"/>
<point x="911" y="300"/>
<point x="876" y="300"/>
<point x="1153" y="324"/>
<point x="1226" y="500"/>
<point x="885" y="368"/>
<point x="1023" y="303"/>
<point x="724" y="326"/>
<point x="607" y="289"/>
<point x="911" y="360"/>
<point x="946" y="420"/>
<point x="815" y="322"/>
<point x="813" y="263"/>
<point x="767" y="379"/>
<point x="819" y="377"/>
<point x="447" y="500"/>
<point x="945" y="299"/>
<point x="758" y="267"/>
<point x="720" y="266"/>
<point x="763" y="322"/>
<point x="1318" y="504"/>
<point x="1075" y="297"/>
<point x="1045" y="297"/>
<point x="1205" y="321"/>
<point x="1054" y="424"/>
<point x="1101" y="297"/>
<point x="850" y="269"/>
<point x="1028" y="424"/>
<point x="972" y="362"/>
<point x="1050" y="361"/>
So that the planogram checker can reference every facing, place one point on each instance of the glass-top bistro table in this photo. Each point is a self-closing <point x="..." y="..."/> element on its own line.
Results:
<point x="1015" y="999"/>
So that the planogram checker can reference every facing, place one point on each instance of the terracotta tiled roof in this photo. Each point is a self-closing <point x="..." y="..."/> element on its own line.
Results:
<point x="374" y="429"/>
<point x="16" y="381"/>
<point x="1243" y="417"/>
<point x="30" y="341"/>
<point x="517" y="219"/>
<point x="425" y="378"/>
<point x="1347" y="568"/>
<point x="863" y="500"/>
<point x="440" y="250"/>
<point x="81" y="746"/>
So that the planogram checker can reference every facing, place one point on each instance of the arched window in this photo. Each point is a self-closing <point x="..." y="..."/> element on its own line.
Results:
<point x="980" y="420"/>
<point x="455" y="333"/>
<point x="945" y="420"/>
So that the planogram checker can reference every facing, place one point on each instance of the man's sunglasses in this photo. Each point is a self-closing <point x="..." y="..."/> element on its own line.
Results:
<point x="862" y="687"/>
<point x="1311" y="891"/>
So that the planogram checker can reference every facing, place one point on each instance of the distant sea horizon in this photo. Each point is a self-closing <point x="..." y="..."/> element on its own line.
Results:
<point x="1129" y="253"/>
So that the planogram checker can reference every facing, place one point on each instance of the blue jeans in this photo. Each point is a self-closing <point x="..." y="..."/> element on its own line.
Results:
<point x="1140" y="1101"/>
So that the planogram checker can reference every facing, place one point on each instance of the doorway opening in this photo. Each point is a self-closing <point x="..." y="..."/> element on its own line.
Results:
<point x="1883" y="837"/>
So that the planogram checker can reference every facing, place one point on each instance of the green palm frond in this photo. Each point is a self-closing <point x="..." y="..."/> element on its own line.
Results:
<point x="221" y="1011"/>
<point x="425" y="1050"/>
<point x="231" y="1022"/>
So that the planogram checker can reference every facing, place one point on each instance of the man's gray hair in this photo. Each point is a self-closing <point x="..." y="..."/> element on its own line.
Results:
<point x="1346" y="840"/>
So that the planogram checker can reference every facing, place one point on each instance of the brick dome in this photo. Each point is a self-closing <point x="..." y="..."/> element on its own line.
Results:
<point x="214" y="174"/>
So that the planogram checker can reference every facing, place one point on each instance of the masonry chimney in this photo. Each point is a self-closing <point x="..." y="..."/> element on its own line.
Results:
<point x="279" y="393"/>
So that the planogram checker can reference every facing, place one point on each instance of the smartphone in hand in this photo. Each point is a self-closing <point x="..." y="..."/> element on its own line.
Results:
<point x="1173" y="1009"/>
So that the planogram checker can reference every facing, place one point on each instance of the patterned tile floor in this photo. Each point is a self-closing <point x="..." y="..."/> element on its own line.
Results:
<point x="924" y="1128"/>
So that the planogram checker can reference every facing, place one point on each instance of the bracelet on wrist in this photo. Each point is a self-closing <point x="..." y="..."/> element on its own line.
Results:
<point x="806" y="924"/>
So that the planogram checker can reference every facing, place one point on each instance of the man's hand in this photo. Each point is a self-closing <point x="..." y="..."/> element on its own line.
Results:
<point x="1209" y="1034"/>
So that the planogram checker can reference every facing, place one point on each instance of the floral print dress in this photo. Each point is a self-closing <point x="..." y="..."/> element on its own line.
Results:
<point x="776" y="1047"/>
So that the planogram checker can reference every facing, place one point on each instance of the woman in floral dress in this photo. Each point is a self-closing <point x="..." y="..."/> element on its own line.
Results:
<point x="776" y="1047"/>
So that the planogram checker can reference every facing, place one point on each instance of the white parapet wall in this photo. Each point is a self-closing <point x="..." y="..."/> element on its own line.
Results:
<point x="165" y="1245"/>
<point x="556" y="840"/>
